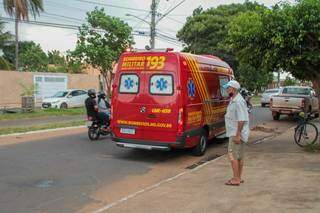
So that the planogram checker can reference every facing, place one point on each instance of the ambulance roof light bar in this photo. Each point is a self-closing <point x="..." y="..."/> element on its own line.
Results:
<point x="148" y="49"/>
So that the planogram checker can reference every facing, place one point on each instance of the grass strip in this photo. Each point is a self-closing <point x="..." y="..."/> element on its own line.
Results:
<point x="255" y="100"/>
<point x="43" y="113"/>
<point x="11" y="130"/>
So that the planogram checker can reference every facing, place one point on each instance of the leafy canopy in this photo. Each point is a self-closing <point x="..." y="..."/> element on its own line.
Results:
<point x="34" y="59"/>
<point x="285" y="37"/>
<point x="102" y="39"/>
<point x="206" y="32"/>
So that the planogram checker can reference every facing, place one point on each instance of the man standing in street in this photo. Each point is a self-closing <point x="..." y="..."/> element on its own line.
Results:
<point x="237" y="129"/>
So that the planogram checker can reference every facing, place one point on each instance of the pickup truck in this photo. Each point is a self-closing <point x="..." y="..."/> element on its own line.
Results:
<point x="293" y="100"/>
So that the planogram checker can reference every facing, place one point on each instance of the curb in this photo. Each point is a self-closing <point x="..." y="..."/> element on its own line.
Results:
<point x="42" y="131"/>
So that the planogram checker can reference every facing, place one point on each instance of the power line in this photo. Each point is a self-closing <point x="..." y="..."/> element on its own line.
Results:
<point x="67" y="17"/>
<point x="170" y="42"/>
<point x="64" y="6"/>
<point x="172" y="9"/>
<point x="111" y="5"/>
<point x="57" y="25"/>
<point x="167" y="34"/>
<point x="175" y="20"/>
<point x="168" y="37"/>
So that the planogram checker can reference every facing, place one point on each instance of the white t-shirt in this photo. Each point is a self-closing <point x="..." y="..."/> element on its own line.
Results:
<point x="237" y="111"/>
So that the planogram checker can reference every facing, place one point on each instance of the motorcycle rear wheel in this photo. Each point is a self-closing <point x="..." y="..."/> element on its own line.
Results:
<point x="93" y="134"/>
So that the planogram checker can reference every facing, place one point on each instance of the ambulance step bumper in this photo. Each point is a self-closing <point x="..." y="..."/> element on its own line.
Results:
<point x="141" y="146"/>
<point x="148" y="145"/>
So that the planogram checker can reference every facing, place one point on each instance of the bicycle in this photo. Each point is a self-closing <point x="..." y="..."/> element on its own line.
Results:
<point x="305" y="133"/>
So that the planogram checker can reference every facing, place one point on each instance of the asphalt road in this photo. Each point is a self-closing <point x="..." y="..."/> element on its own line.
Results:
<point x="60" y="173"/>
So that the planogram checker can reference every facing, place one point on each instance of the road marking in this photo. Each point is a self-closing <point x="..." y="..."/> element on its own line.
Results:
<point x="150" y="188"/>
<point x="42" y="131"/>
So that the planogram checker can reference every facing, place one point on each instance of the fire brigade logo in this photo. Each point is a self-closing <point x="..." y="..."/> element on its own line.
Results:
<point x="162" y="84"/>
<point x="191" y="89"/>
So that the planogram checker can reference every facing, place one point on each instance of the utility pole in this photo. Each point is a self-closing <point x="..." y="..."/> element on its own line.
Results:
<point x="153" y="23"/>
<point x="279" y="78"/>
<point x="154" y="20"/>
<point x="16" y="38"/>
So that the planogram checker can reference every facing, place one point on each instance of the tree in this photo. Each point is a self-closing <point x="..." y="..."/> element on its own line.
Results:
<point x="9" y="49"/>
<point x="56" y="57"/>
<point x="57" y="62"/>
<point x="299" y="46"/>
<point x="38" y="60"/>
<point x="253" y="78"/>
<point x="19" y="9"/>
<point x="101" y="41"/>
<point x="5" y="37"/>
<point x="74" y="64"/>
<point x="290" y="81"/>
<point x="34" y="59"/>
<point x="206" y="32"/>
<point x="285" y="37"/>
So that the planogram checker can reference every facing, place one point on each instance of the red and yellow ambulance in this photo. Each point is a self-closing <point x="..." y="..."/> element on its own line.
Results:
<point x="163" y="99"/>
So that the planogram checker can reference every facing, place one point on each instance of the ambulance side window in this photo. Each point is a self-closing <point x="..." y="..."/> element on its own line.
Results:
<point x="129" y="84"/>
<point x="161" y="84"/>
<point x="223" y="80"/>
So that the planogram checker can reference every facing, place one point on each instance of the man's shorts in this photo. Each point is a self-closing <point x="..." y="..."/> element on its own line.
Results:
<point x="237" y="150"/>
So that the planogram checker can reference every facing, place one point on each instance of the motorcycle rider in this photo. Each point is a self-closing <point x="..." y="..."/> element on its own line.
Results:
<point x="103" y="105"/>
<point x="93" y="110"/>
<point x="247" y="97"/>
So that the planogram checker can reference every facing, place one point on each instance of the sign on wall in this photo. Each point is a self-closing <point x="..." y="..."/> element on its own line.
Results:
<point x="47" y="85"/>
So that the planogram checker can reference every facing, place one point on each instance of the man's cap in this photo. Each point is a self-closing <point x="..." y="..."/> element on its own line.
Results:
<point x="233" y="84"/>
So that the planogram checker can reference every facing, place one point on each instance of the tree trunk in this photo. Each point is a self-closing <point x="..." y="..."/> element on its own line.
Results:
<point x="316" y="86"/>
<point x="108" y="79"/>
<point x="17" y="42"/>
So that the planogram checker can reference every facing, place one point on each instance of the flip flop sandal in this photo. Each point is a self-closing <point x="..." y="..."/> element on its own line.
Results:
<point x="230" y="183"/>
<point x="242" y="181"/>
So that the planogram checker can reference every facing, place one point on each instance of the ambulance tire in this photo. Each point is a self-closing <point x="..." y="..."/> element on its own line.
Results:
<point x="201" y="147"/>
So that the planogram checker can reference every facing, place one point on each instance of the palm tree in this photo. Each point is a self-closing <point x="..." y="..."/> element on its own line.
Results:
<point x="19" y="9"/>
<point x="5" y="38"/>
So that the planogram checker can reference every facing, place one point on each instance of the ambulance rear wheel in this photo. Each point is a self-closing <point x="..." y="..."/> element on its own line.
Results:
<point x="201" y="147"/>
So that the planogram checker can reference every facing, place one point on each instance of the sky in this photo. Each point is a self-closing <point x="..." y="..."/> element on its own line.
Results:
<point x="73" y="12"/>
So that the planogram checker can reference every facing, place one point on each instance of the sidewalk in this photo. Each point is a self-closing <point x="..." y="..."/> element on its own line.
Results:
<point x="279" y="177"/>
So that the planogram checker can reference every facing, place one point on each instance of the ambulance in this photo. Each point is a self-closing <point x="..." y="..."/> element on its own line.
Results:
<point x="164" y="100"/>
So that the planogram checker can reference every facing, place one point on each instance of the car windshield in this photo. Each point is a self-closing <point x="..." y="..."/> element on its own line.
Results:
<point x="296" y="91"/>
<point x="60" y="94"/>
<point x="271" y="91"/>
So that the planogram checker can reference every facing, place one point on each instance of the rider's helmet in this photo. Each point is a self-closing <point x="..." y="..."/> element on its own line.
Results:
<point x="92" y="93"/>
<point x="243" y="92"/>
<point x="102" y="95"/>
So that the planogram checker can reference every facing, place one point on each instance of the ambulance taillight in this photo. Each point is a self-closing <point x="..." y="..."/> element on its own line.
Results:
<point x="180" y="122"/>
<point x="111" y="112"/>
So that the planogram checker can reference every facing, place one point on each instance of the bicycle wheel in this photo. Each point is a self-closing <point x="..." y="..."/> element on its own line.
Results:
<point x="305" y="134"/>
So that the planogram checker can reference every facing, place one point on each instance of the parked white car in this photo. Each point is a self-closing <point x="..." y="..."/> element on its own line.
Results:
<point x="266" y="96"/>
<point x="66" y="99"/>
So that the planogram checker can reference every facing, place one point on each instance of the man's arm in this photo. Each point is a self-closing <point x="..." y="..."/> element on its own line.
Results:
<point x="237" y="139"/>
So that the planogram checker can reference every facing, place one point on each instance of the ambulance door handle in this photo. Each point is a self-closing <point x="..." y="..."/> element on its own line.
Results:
<point x="152" y="116"/>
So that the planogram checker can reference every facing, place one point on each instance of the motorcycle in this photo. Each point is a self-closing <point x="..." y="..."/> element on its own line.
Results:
<point x="247" y="97"/>
<point x="95" y="129"/>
